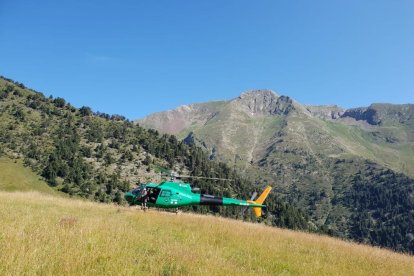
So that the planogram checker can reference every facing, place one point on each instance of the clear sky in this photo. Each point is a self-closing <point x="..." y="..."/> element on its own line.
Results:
<point x="138" y="57"/>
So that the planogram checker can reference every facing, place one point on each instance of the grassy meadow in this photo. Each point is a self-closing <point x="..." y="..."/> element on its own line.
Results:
<point x="15" y="177"/>
<point x="44" y="234"/>
<point x="47" y="234"/>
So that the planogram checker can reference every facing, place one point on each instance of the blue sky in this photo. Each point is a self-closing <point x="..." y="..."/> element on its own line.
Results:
<point x="138" y="57"/>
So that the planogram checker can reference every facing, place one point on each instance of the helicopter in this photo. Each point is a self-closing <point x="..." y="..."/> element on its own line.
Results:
<point x="174" y="194"/>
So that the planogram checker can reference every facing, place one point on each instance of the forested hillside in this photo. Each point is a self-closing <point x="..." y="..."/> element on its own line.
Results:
<point x="100" y="156"/>
<point x="350" y="170"/>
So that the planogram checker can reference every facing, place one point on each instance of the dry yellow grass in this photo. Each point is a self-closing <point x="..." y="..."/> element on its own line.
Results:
<point x="42" y="234"/>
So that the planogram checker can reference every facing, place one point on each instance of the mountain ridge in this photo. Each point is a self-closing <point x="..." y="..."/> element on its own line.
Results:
<point x="300" y="148"/>
<point x="182" y="120"/>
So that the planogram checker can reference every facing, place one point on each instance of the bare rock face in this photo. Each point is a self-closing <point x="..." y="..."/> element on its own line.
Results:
<point x="170" y="121"/>
<point x="264" y="102"/>
<point x="173" y="121"/>
<point x="327" y="112"/>
<point x="284" y="105"/>
<point x="377" y="114"/>
<point x="257" y="102"/>
<point x="367" y="114"/>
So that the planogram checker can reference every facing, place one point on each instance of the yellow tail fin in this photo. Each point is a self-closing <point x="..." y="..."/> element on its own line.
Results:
<point x="263" y="196"/>
<point x="258" y="210"/>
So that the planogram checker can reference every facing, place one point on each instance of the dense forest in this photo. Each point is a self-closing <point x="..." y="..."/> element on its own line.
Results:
<point x="384" y="208"/>
<point x="101" y="156"/>
<point x="380" y="205"/>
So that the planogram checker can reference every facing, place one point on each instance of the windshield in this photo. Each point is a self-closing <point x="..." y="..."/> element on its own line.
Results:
<point x="136" y="191"/>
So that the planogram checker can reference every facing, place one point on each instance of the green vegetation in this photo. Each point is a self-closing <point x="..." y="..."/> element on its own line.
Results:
<point x="384" y="145"/>
<point x="379" y="205"/>
<point x="41" y="234"/>
<point x="318" y="160"/>
<point x="320" y="167"/>
<point x="15" y="177"/>
<point x="100" y="156"/>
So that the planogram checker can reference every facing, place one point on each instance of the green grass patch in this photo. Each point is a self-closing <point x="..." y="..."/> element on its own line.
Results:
<point x="398" y="156"/>
<point x="15" y="177"/>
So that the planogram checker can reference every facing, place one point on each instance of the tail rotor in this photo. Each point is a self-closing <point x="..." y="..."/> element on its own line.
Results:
<point x="258" y="210"/>
<point x="254" y="195"/>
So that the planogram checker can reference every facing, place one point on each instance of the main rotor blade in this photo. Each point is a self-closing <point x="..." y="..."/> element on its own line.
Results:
<point x="202" y="177"/>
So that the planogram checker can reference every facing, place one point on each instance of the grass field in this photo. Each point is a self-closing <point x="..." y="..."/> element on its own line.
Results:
<point x="44" y="234"/>
<point x="15" y="177"/>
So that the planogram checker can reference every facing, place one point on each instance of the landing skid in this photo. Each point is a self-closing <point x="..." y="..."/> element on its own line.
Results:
<point x="174" y="210"/>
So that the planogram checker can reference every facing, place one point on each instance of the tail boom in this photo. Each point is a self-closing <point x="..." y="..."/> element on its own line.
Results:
<point x="256" y="205"/>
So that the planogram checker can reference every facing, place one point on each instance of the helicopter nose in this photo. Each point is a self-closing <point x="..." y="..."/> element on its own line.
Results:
<point x="129" y="198"/>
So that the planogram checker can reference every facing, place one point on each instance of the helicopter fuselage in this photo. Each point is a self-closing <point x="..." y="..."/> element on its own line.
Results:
<point x="178" y="194"/>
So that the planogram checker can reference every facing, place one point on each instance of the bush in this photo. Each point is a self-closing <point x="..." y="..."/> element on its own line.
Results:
<point x="59" y="102"/>
<point x="85" y="111"/>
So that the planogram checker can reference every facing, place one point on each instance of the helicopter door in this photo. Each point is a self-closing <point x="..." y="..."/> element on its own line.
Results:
<point x="153" y="194"/>
<point x="165" y="196"/>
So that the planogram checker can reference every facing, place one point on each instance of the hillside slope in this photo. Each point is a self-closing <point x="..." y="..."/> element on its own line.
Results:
<point x="247" y="125"/>
<point x="99" y="156"/>
<point x="323" y="159"/>
<point x="42" y="234"/>
<point x="15" y="177"/>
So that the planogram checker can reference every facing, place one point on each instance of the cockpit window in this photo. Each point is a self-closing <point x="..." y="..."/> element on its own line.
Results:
<point x="136" y="191"/>
<point x="165" y="193"/>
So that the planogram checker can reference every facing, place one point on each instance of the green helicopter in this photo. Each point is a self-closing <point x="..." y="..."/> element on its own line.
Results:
<point x="172" y="194"/>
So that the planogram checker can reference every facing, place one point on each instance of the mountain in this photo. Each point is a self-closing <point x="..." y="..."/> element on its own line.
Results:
<point x="99" y="156"/>
<point x="248" y="124"/>
<point x="350" y="169"/>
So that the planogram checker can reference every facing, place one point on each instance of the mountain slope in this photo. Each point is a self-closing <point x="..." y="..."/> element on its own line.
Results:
<point x="15" y="177"/>
<point x="99" y="156"/>
<point x="300" y="149"/>
<point x="258" y="117"/>
<point x="46" y="234"/>
<point x="66" y="236"/>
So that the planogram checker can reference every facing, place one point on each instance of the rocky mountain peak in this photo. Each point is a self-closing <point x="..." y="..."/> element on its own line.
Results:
<point x="258" y="93"/>
<point x="258" y="102"/>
